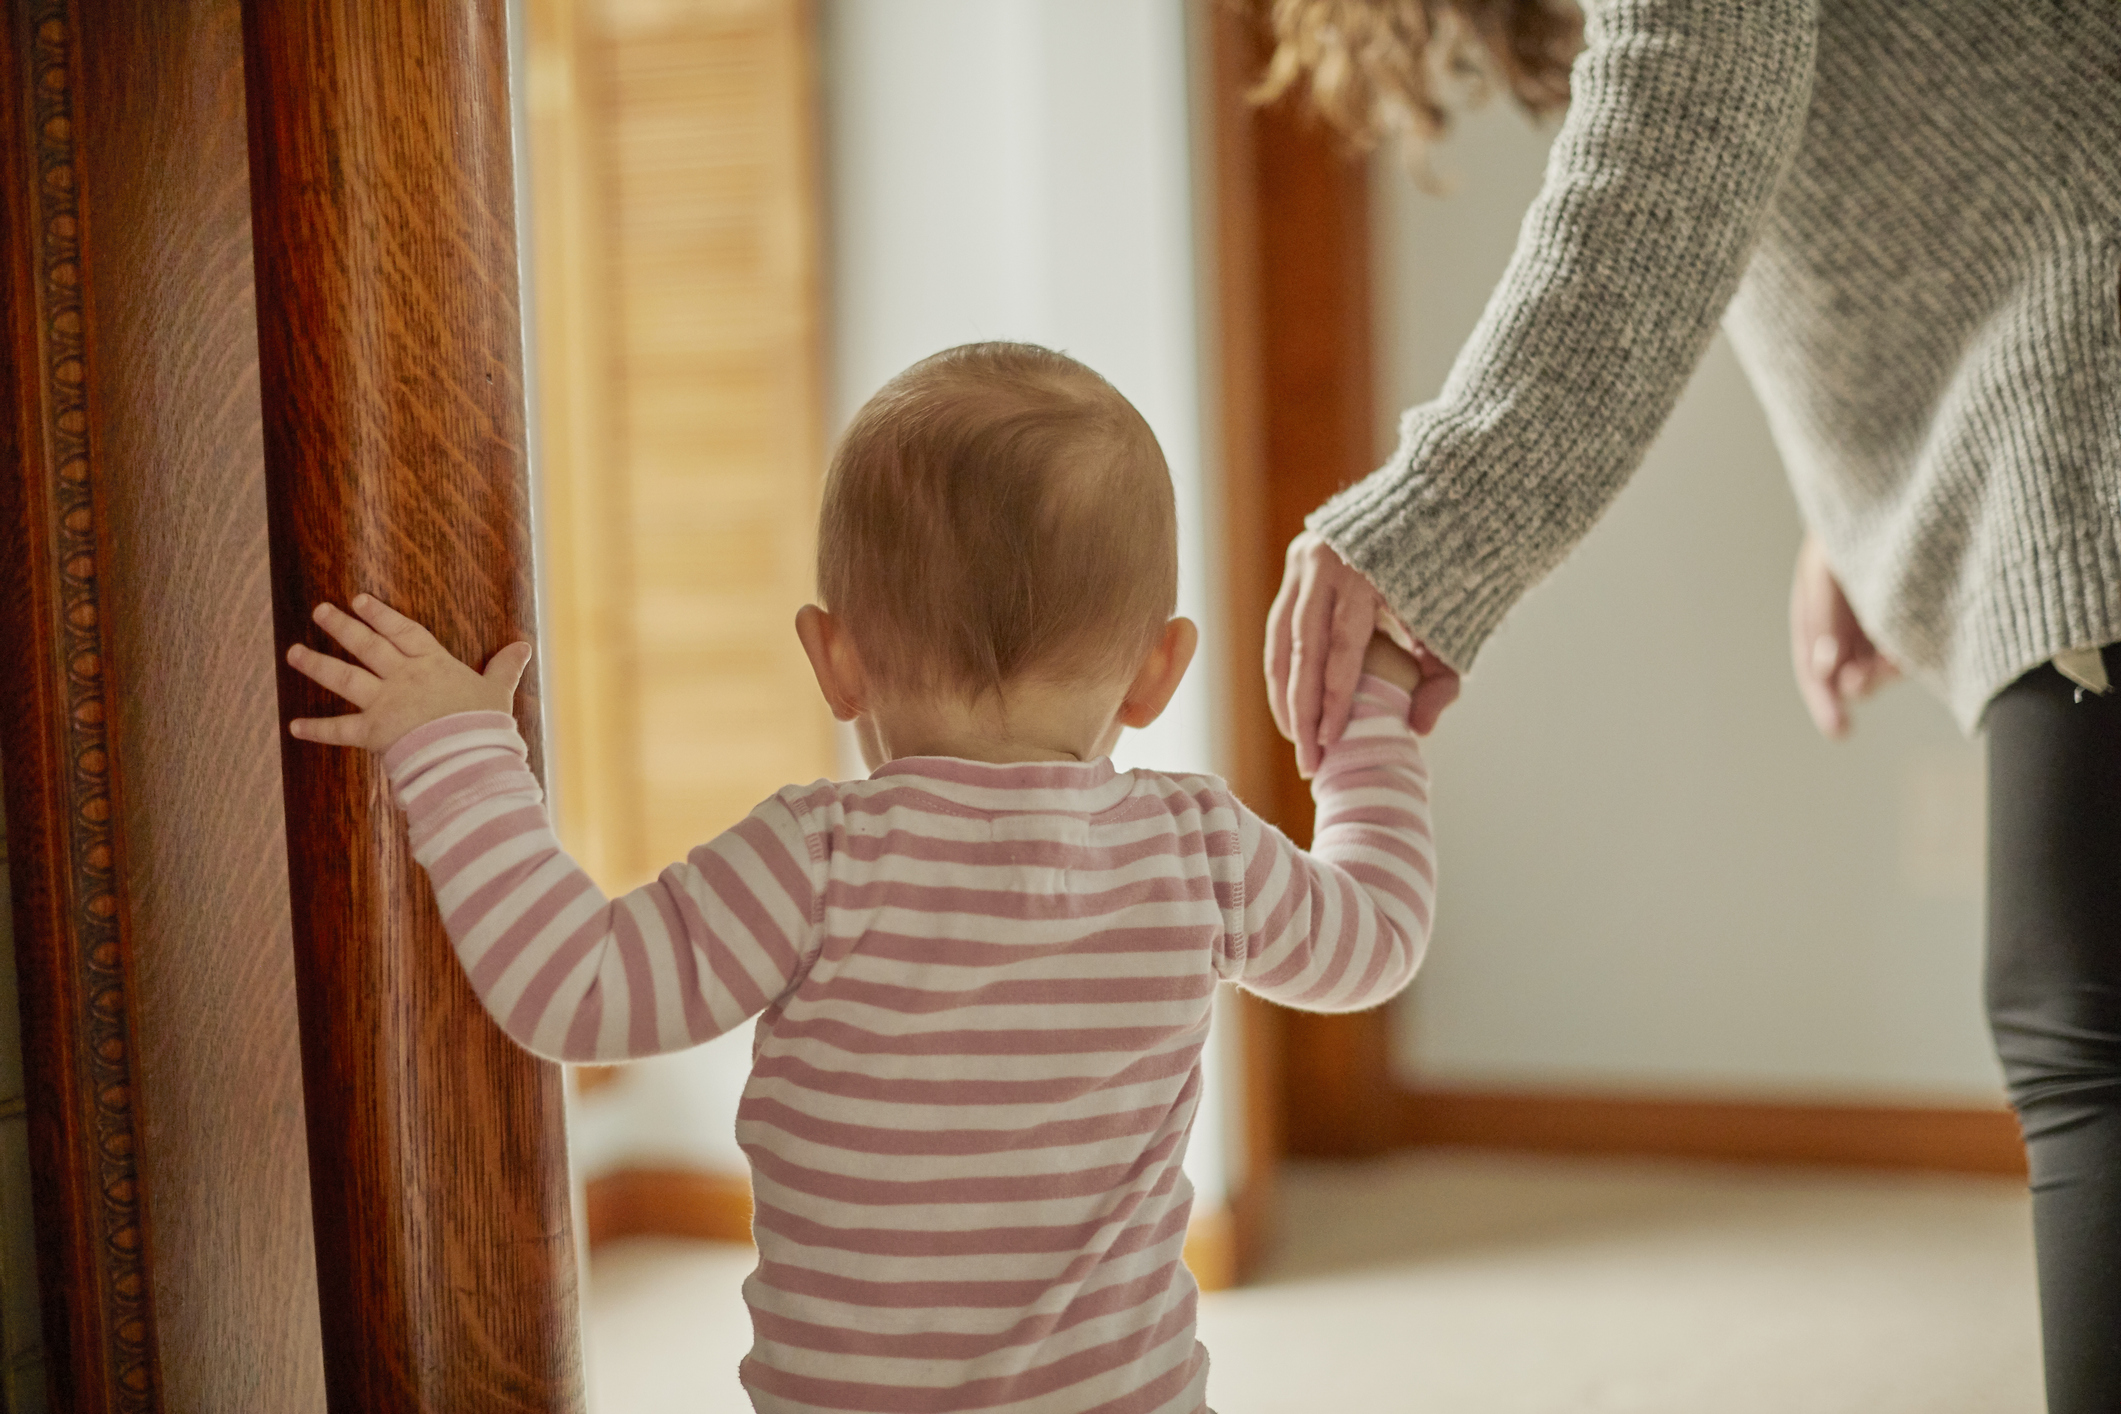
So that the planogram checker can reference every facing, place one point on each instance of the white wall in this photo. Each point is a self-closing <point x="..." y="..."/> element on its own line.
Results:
<point x="1019" y="169"/>
<point x="1654" y="874"/>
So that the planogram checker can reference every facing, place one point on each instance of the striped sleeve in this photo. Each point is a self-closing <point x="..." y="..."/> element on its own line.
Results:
<point x="569" y="973"/>
<point x="1343" y="926"/>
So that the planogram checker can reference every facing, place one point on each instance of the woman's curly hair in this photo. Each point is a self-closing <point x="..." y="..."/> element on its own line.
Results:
<point x="1379" y="69"/>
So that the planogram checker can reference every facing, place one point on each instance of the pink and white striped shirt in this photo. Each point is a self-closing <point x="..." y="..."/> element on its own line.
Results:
<point x="982" y="993"/>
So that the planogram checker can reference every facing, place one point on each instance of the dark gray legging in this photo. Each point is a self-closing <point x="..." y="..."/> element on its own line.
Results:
<point x="2054" y="997"/>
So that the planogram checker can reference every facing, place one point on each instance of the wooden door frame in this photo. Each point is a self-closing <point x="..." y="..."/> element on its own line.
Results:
<point x="128" y="387"/>
<point x="390" y="351"/>
<point x="1292" y="365"/>
<point x="1293" y="242"/>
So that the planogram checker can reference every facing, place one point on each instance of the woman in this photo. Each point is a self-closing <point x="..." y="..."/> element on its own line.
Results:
<point x="1907" y="217"/>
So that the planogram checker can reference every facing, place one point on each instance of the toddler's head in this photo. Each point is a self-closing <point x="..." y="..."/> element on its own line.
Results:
<point x="998" y="530"/>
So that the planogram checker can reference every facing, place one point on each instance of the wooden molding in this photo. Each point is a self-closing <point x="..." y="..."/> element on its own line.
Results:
<point x="1253" y="1229"/>
<point x="1936" y="1139"/>
<point x="588" y="1079"/>
<point x="1231" y="58"/>
<point x="716" y="1207"/>
<point x="72" y="936"/>
<point x="1211" y="1251"/>
<point x="1337" y="1086"/>
<point x="1296" y="241"/>
<point x="1255" y="1190"/>
<point x="695" y="1203"/>
<point x="138" y="722"/>
<point x="176" y="446"/>
<point x="1315" y="332"/>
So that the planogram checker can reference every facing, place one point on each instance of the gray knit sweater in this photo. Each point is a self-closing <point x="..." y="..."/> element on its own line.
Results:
<point x="1907" y="214"/>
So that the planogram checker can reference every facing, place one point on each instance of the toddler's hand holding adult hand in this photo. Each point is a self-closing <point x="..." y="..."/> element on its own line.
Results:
<point x="1317" y="634"/>
<point x="1836" y="662"/>
<point x="409" y="678"/>
<point x="1386" y="661"/>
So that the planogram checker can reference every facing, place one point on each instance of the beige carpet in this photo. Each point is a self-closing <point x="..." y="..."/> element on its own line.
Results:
<point x="1475" y="1284"/>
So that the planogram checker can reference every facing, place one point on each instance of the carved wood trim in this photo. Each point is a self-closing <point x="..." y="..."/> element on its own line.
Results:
<point x="73" y="945"/>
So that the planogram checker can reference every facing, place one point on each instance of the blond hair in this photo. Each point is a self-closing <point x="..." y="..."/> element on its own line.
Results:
<point x="1379" y="69"/>
<point x="994" y="512"/>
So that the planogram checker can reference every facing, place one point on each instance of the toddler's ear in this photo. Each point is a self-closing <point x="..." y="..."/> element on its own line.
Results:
<point x="833" y="659"/>
<point x="1160" y="674"/>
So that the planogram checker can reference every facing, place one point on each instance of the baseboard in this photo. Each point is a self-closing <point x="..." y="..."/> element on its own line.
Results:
<point x="713" y="1207"/>
<point x="1933" y="1138"/>
<point x="1211" y="1248"/>
<point x="1251" y="1225"/>
<point x="588" y="1079"/>
<point x="716" y="1207"/>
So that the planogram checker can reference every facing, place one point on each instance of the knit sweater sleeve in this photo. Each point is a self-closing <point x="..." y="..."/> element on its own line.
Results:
<point x="1683" y="119"/>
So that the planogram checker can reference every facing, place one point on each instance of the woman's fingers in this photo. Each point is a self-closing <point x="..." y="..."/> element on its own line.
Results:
<point x="1864" y="672"/>
<point x="1829" y="713"/>
<point x="1817" y="656"/>
<point x="1835" y="661"/>
<point x="336" y="674"/>
<point x="406" y="635"/>
<point x="358" y="639"/>
<point x="1308" y="648"/>
<point x="1354" y="621"/>
<point x="1317" y="633"/>
<point x="1820" y="643"/>
<point x="1281" y="630"/>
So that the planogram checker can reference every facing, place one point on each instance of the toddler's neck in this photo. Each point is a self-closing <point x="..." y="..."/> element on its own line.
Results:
<point x="1031" y="721"/>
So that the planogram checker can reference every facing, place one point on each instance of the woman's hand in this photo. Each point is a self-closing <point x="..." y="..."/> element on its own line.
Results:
<point x="1836" y="662"/>
<point x="410" y="680"/>
<point x="1317" y="633"/>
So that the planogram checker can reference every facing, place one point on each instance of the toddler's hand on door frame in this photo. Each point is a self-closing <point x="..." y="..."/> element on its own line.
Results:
<point x="405" y="679"/>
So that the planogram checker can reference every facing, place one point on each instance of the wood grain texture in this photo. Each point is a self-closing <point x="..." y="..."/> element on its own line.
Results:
<point x="1938" y="1139"/>
<point x="1296" y="228"/>
<point x="178" y="453"/>
<point x="1228" y="53"/>
<point x="390" y="352"/>
<point x="1235" y="51"/>
<point x="72" y="933"/>
<point x="1315" y="332"/>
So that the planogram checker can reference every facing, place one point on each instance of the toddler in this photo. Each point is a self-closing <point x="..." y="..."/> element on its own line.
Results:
<point x="982" y="975"/>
